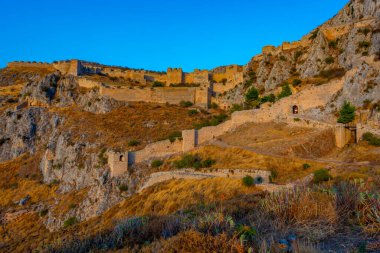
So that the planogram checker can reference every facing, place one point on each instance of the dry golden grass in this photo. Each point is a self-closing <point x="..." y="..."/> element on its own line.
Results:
<point x="289" y="169"/>
<point x="117" y="128"/>
<point x="19" y="178"/>
<point x="169" y="197"/>
<point x="65" y="202"/>
<point x="13" y="90"/>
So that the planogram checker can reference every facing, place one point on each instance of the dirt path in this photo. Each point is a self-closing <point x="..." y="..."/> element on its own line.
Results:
<point x="259" y="151"/>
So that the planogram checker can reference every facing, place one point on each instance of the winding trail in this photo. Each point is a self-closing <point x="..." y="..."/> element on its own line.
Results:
<point x="222" y="144"/>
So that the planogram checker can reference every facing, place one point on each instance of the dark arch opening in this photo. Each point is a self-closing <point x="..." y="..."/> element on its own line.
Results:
<point x="295" y="109"/>
<point x="121" y="158"/>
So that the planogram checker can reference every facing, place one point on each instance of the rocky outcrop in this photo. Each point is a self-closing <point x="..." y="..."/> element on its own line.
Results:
<point x="23" y="131"/>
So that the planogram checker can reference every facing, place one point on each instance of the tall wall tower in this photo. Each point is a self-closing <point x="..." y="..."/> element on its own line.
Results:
<point x="175" y="76"/>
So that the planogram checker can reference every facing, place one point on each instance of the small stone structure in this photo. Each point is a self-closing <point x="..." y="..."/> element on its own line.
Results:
<point x="118" y="163"/>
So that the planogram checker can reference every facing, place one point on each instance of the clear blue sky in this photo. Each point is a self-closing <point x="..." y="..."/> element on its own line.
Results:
<point x="154" y="34"/>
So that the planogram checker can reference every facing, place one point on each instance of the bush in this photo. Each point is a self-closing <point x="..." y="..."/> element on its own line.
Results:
<point x="193" y="161"/>
<point x="43" y="212"/>
<point x="286" y="91"/>
<point x="364" y="44"/>
<point x="347" y="113"/>
<point x="157" y="163"/>
<point x="268" y="98"/>
<point x="332" y="73"/>
<point x="330" y="60"/>
<point x="123" y="187"/>
<point x="214" y="105"/>
<point x="248" y="181"/>
<point x="283" y="58"/>
<point x="306" y="166"/>
<point x="297" y="55"/>
<point x="296" y="82"/>
<point x="185" y="104"/>
<point x="372" y="139"/>
<point x="273" y="175"/>
<point x="70" y="222"/>
<point x="321" y="175"/>
<point x="208" y="163"/>
<point x="252" y="95"/>
<point x="314" y="35"/>
<point x="175" y="135"/>
<point x="102" y="158"/>
<point x="133" y="143"/>
<point x="192" y="112"/>
<point x="333" y="44"/>
<point x="158" y="84"/>
<point x="236" y="108"/>
<point x="216" y="120"/>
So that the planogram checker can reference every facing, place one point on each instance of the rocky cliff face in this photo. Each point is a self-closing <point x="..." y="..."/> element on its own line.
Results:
<point x="350" y="40"/>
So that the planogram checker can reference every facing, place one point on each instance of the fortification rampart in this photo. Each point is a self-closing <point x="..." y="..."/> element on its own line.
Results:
<point x="87" y="83"/>
<point x="158" y="150"/>
<point x="22" y="64"/>
<point x="171" y="95"/>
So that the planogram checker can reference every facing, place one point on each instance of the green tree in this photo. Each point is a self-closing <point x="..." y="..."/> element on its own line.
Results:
<point x="252" y="95"/>
<point x="347" y="113"/>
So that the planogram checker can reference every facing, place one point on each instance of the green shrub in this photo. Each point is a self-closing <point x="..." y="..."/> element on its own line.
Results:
<point x="347" y="113"/>
<point x="187" y="161"/>
<point x="102" y="158"/>
<point x="216" y="120"/>
<point x="70" y="222"/>
<point x="269" y="98"/>
<point x="252" y="95"/>
<point x="296" y="82"/>
<point x="297" y="55"/>
<point x="314" y="35"/>
<point x="364" y="44"/>
<point x="248" y="181"/>
<point x="330" y="60"/>
<point x="214" y="105"/>
<point x="174" y="136"/>
<point x="321" y="175"/>
<point x="333" y="44"/>
<point x="306" y="166"/>
<point x="208" y="163"/>
<point x="158" y="84"/>
<point x="133" y="143"/>
<point x="364" y="31"/>
<point x="372" y="139"/>
<point x="157" y="163"/>
<point x="273" y="175"/>
<point x="283" y="58"/>
<point x="192" y="112"/>
<point x="193" y="161"/>
<point x="286" y="91"/>
<point x="43" y="212"/>
<point x="236" y="108"/>
<point x="123" y="187"/>
<point x="185" y="104"/>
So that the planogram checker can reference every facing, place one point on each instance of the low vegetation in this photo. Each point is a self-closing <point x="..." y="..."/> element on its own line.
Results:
<point x="372" y="139"/>
<point x="248" y="181"/>
<point x="193" y="161"/>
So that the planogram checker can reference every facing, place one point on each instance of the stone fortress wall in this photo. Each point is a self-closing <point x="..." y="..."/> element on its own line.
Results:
<point x="282" y="111"/>
<point x="208" y="82"/>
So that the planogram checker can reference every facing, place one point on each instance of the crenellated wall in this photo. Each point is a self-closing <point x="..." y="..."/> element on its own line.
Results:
<point x="174" y="76"/>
